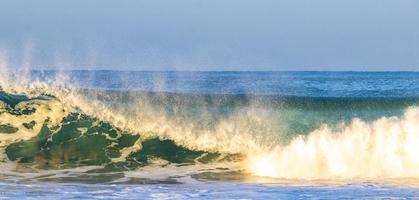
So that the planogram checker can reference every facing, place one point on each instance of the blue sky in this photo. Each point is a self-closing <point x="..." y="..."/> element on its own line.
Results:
<point x="211" y="34"/>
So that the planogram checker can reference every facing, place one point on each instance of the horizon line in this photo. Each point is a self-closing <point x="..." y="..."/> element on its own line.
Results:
<point x="133" y="70"/>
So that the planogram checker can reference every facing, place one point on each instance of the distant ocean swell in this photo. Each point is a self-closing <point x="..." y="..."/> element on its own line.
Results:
<point x="49" y="126"/>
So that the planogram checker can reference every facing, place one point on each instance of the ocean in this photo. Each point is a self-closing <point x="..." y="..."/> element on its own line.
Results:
<point x="208" y="135"/>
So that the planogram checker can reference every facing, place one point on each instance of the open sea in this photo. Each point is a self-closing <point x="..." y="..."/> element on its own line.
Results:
<point x="208" y="135"/>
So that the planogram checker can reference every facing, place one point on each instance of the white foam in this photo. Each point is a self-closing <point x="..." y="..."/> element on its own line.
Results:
<point x="385" y="148"/>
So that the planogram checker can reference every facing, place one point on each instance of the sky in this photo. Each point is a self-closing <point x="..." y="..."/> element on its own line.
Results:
<point x="211" y="35"/>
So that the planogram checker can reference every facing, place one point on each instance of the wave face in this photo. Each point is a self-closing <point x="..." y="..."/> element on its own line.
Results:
<point x="46" y="134"/>
<point x="48" y="122"/>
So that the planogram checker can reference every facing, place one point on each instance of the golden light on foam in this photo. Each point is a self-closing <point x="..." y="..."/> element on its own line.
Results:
<point x="385" y="148"/>
<point x="262" y="166"/>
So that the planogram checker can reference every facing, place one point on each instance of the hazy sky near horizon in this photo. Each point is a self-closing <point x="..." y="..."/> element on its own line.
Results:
<point x="211" y="34"/>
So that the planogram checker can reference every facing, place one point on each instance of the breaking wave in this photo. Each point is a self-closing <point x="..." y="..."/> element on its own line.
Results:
<point x="52" y="124"/>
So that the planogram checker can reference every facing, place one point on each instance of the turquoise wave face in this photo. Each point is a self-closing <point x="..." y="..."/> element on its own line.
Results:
<point x="287" y="116"/>
<point x="81" y="140"/>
